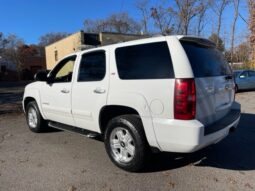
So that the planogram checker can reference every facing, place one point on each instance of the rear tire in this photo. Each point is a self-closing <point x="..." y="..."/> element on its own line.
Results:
<point x="34" y="118"/>
<point x="126" y="143"/>
<point x="236" y="89"/>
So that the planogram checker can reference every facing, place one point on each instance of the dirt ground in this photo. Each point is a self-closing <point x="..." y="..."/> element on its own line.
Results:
<point x="66" y="161"/>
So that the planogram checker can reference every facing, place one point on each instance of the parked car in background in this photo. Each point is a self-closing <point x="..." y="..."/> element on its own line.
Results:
<point x="245" y="79"/>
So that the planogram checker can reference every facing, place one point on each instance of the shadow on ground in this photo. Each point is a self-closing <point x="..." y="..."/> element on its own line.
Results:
<point x="247" y="90"/>
<point x="236" y="152"/>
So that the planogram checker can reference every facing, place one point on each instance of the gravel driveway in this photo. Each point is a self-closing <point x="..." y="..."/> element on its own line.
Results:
<point x="65" y="161"/>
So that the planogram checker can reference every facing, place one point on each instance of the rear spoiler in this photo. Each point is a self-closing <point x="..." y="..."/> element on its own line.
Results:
<point x="200" y="41"/>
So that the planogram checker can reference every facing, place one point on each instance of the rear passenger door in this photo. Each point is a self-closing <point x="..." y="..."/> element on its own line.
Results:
<point x="89" y="91"/>
<point x="244" y="80"/>
<point x="252" y="79"/>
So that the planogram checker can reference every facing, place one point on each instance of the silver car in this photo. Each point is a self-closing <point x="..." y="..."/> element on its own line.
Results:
<point x="245" y="79"/>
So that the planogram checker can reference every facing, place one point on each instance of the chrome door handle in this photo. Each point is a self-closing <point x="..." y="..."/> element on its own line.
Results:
<point x="99" y="91"/>
<point x="65" y="91"/>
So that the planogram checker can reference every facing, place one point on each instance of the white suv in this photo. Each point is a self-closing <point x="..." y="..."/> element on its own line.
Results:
<point x="172" y="93"/>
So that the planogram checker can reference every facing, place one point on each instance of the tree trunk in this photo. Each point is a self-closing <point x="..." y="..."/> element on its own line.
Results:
<point x="236" y="5"/>
<point x="218" y="28"/>
<point x="252" y="28"/>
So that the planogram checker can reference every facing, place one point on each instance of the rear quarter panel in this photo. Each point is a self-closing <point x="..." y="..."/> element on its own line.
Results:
<point x="153" y="99"/>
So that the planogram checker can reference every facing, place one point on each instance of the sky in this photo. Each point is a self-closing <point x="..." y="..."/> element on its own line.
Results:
<point x="30" y="19"/>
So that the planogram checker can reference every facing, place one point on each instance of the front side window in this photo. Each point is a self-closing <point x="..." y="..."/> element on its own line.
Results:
<point x="145" y="61"/>
<point x="237" y="74"/>
<point x="64" y="70"/>
<point x="92" y="67"/>
<point x="244" y="74"/>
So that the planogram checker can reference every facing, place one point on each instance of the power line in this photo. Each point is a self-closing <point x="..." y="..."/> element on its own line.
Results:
<point x="243" y="19"/>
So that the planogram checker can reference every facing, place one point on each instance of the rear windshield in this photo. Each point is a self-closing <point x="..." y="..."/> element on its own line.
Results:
<point x="206" y="61"/>
<point x="144" y="61"/>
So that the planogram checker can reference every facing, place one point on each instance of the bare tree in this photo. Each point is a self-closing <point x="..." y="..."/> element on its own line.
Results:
<point x="142" y="6"/>
<point x="163" y="19"/>
<point x="218" y="6"/>
<point x="96" y="26"/>
<point x="123" y="23"/>
<point x="10" y="51"/>
<point x="215" y="38"/>
<point x="252" y="27"/>
<point x="3" y="42"/>
<point x="201" y="16"/>
<point x="50" y="38"/>
<point x="242" y="52"/>
<point x="186" y="11"/>
<point x="236" y="13"/>
<point x="119" y="22"/>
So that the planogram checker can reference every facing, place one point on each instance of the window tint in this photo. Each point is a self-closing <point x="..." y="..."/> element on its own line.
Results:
<point x="92" y="67"/>
<point x="236" y="74"/>
<point x="206" y="61"/>
<point x="244" y="74"/>
<point x="251" y="73"/>
<point x="64" y="70"/>
<point x="146" y="61"/>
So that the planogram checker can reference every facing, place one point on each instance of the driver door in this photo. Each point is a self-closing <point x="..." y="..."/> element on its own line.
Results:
<point x="56" y="94"/>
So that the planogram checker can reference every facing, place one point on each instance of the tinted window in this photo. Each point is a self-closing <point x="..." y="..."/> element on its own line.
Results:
<point x="244" y="74"/>
<point x="206" y="61"/>
<point x="251" y="73"/>
<point x="92" y="67"/>
<point x="146" y="61"/>
<point x="236" y="74"/>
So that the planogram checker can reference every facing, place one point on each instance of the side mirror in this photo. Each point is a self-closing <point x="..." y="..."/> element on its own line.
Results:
<point x="242" y="76"/>
<point x="41" y="76"/>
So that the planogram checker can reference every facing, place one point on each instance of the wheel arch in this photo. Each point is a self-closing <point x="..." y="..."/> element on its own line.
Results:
<point x="32" y="95"/>
<point x="108" y="112"/>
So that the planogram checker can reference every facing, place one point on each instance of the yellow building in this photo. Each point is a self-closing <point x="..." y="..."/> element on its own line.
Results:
<point x="80" y="41"/>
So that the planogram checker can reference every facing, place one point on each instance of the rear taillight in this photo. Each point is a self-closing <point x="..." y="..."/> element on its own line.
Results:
<point x="185" y="99"/>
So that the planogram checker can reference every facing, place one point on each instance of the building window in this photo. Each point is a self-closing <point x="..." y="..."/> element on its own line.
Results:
<point x="56" y="55"/>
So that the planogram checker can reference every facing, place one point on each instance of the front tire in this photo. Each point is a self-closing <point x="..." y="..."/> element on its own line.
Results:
<point x="125" y="142"/>
<point x="34" y="118"/>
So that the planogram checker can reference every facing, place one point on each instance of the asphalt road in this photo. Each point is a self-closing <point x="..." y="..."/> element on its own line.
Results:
<point x="67" y="161"/>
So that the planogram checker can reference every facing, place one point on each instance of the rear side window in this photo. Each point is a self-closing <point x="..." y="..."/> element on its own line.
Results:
<point x="92" y="67"/>
<point x="206" y="61"/>
<point x="251" y="73"/>
<point x="146" y="61"/>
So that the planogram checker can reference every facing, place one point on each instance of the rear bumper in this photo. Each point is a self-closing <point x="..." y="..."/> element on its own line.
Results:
<point x="189" y="136"/>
